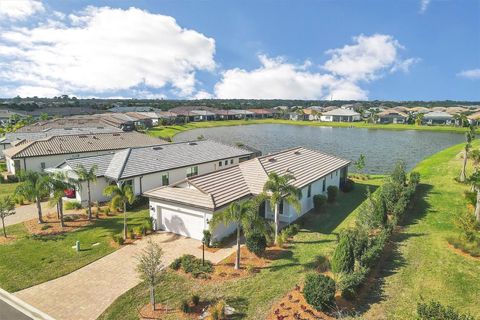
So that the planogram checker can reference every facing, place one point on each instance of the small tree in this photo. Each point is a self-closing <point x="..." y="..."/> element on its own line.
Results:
<point x="121" y="195"/>
<point x="343" y="259"/>
<point x="319" y="291"/>
<point x="7" y="208"/>
<point x="33" y="187"/>
<point x="474" y="180"/>
<point x="360" y="164"/>
<point x="150" y="266"/>
<point x="469" y="136"/>
<point x="89" y="176"/>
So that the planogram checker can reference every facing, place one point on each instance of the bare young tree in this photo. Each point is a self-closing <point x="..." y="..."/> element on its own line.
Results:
<point x="7" y="208"/>
<point x="150" y="266"/>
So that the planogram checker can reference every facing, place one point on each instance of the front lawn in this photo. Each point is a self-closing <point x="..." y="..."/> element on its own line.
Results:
<point x="30" y="260"/>
<point x="254" y="296"/>
<point x="7" y="189"/>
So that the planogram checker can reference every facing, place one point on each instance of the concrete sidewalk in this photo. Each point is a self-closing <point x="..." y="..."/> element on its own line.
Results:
<point x="84" y="294"/>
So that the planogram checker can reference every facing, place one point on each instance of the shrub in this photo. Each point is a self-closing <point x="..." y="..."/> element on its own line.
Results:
<point x="72" y="205"/>
<point x="185" y="307"/>
<point x="207" y="237"/>
<point x="45" y="227"/>
<point x="195" y="299"/>
<point x="149" y="223"/>
<point x="332" y="192"/>
<point x="256" y="243"/>
<point x="350" y="282"/>
<point x="319" y="291"/>
<point x="176" y="264"/>
<point x="291" y="230"/>
<point x="131" y="234"/>
<point x="322" y="263"/>
<point x="12" y="179"/>
<point x="399" y="174"/>
<point x="436" y="311"/>
<point x="118" y="239"/>
<point x="348" y="185"/>
<point x="343" y="259"/>
<point x="137" y="230"/>
<point x="414" y="178"/>
<point x="106" y="211"/>
<point x="250" y="269"/>
<point x="471" y="247"/>
<point x="319" y="201"/>
<point x="193" y="265"/>
<point x="68" y="218"/>
<point x="373" y="251"/>
<point x="280" y="240"/>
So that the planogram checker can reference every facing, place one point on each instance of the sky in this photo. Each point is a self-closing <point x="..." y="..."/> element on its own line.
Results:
<point x="252" y="49"/>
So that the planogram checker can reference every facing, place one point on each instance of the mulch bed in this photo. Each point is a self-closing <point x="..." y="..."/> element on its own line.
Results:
<point x="51" y="225"/>
<point x="459" y="252"/>
<point x="6" y="240"/>
<point x="163" y="311"/>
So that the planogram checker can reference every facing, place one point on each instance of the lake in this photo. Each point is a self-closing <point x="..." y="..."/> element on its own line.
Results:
<point x="382" y="148"/>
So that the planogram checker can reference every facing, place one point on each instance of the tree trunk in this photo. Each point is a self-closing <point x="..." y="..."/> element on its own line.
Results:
<point x="463" y="174"/>
<point x="39" y="209"/>
<point x="477" y="206"/>
<point x="60" y="207"/>
<point x="3" y="226"/>
<point x="58" y="212"/>
<point x="89" y="201"/>
<point x="237" y="260"/>
<point x="276" y="222"/>
<point x="125" y="220"/>
<point x="152" y="296"/>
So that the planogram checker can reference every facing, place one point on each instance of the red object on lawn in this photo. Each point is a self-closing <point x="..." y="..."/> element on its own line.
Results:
<point x="70" y="193"/>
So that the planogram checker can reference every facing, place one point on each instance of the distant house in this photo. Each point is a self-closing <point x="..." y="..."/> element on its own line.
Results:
<point x="474" y="118"/>
<point x="187" y="207"/>
<point x="262" y="113"/>
<point x="438" y="117"/>
<point x="298" y="116"/>
<point x="313" y="113"/>
<point x="40" y="154"/>
<point x="392" y="116"/>
<point x="150" y="167"/>
<point x="125" y="109"/>
<point x="340" y="115"/>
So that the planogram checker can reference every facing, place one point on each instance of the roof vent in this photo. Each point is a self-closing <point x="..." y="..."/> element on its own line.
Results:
<point x="297" y="152"/>
<point x="82" y="136"/>
<point x="157" y="148"/>
<point x="192" y="143"/>
<point x="272" y="159"/>
<point x="116" y="134"/>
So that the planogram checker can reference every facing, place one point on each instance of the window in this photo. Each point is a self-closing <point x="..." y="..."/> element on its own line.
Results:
<point x="220" y="163"/>
<point x="226" y="162"/>
<point x="324" y="185"/>
<point x="331" y="175"/>
<point x="336" y="173"/>
<point x="42" y="165"/>
<point x="165" y="179"/>
<point x="280" y="208"/>
<point x="231" y="161"/>
<point x="192" y="171"/>
<point x="309" y="191"/>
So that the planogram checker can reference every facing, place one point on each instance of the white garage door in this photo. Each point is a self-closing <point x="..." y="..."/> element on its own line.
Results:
<point x="185" y="224"/>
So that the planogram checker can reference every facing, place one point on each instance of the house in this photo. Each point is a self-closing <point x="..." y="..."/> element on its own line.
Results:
<point x="313" y="113"/>
<point x="145" y="168"/>
<point x="298" y="116"/>
<point x="438" y="117"/>
<point x="392" y="116"/>
<point x="38" y="155"/>
<point x="261" y="113"/>
<point x="340" y="115"/>
<point x="124" y="109"/>
<point x="187" y="207"/>
<point x="474" y="118"/>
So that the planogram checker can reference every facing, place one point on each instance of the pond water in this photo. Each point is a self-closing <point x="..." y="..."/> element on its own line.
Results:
<point x="382" y="148"/>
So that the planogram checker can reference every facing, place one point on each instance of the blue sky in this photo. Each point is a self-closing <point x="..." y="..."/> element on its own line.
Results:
<point x="385" y="50"/>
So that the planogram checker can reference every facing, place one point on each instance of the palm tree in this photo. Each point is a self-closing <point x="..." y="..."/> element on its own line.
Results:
<point x="121" y="195"/>
<point x="469" y="136"/>
<point x="57" y="183"/>
<point x="419" y="119"/>
<point x="245" y="216"/>
<point x="88" y="176"/>
<point x="278" y="189"/>
<point x="33" y="187"/>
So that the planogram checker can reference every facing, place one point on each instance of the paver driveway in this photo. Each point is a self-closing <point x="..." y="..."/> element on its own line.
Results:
<point x="84" y="294"/>
<point x="27" y="212"/>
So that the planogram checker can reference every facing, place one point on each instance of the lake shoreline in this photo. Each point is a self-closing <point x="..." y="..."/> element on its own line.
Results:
<point x="168" y="132"/>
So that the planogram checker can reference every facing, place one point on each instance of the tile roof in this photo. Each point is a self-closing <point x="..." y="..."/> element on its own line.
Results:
<point x="48" y="132"/>
<point x="81" y="143"/>
<point x="133" y="162"/>
<point x="340" y="112"/>
<point x="249" y="177"/>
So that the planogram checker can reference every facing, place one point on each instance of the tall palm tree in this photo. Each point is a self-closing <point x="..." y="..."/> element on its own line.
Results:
<point x="88" y="176"/>
<point x="245" y="216"/>
<point x="33" y="187"/>
<point x="419" y="119"/>
<point x="121" y="195"/>
<point x="469" y="136"/>
<point x="278" y="188"/>
<point x="58" y="183"/>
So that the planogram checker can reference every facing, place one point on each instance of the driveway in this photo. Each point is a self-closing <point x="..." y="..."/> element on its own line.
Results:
<point x="84" y="294"/>
<point x="27" y="212"/>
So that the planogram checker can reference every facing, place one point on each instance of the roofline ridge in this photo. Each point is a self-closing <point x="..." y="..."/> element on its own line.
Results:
<point x="278" y="152"/>
<point x="129" y="150"/>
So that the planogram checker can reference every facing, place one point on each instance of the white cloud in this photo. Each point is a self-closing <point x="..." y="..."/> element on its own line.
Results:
<point x="19" y="9"/>
<point x="424" y="5"/>
<point x="470" y="74"/>
<point x="104" y="50"/>
<point x="367" y="59"/>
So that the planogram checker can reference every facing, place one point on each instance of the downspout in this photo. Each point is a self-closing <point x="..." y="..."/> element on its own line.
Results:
<point x="141" y="189"/>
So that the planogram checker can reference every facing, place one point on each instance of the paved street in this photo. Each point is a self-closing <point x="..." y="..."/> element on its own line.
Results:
<point x="87" y="292"/>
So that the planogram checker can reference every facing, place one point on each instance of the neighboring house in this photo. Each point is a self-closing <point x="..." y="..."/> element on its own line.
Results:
<point x="313" y="113"/>
<point x="474" y="118"/>
<point x="392" y="116"/>
<point x="438" y="117"/>
<point x="145" y="168"/>
<point x="203" y="115"/>
<point x="40" y="154"/>
<point x="262" y="113"/>
<point x="297" y="116"/>
<point x="124" y="109"/>
<point x="187" y="207"/>
<point x="340" y="115"/>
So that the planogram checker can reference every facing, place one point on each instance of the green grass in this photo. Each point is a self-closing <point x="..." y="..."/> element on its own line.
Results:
<point x="171" y="131"/>
<point x="7" y="189"/>
<point x="421" y="264"/>
<point x="254" y="296"/>
<point x="33" y="260"/>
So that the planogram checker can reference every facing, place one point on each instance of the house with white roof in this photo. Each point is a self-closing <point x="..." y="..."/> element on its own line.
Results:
<point x="187" y="207"/>
<point x="145" y="168"/>
<point x="438" y="117"/>
<point x="340" y="115"/>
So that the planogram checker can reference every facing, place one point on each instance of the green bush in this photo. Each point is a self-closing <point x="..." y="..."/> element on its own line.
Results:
<point x="319" y="291"/>
<point x="349" y="283"/>
<point x="193" y="265"/>
<point x="176" y="264"/>
<point x="436" y="311"/>
<point x="343" y="259"/>
<point x="118" y="239"/>
<point x="185" y="307"/>
<point x="72" y="205"/>
<point x="414" y="178"/>
<point x="207" y="237"/>
<point x="332" y="192"/>
<point x="195" y="299"/>
<point x="374" y="250"/>
<point x="256" y="243"/>
<point x="322" y="264"/>
<point x="319" y="201"/>
<point x="292" y="230"/>
<point x="45" y="227"/>
<point x="12" y="179"/>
